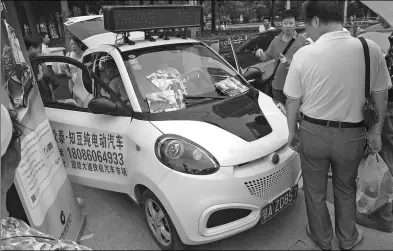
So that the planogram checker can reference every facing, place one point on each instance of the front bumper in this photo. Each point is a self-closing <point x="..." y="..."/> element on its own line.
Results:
<point x="247" y="187"/>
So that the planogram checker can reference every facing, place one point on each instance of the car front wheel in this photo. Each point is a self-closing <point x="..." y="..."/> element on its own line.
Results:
<point x="159" y="223"/>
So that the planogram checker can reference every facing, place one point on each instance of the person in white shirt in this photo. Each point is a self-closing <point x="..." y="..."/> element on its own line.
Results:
<point x="45" y="46"/>
<point x="45" y="43"/>
<point x="266" y="25"/>
<point x="325" y="89"/>
<point x="310" y="41"/>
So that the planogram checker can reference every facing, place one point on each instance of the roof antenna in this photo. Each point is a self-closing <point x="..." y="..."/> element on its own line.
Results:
<point x="126" y="39"/>
<point x="165" y="34"/>
<point x="149" y="37"/>
<point x="184" y="36"/>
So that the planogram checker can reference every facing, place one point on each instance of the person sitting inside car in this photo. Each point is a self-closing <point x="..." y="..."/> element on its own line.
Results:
<point x="111" y="76"/>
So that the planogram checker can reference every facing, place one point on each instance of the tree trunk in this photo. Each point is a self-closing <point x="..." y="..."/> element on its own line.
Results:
<point x="65" y="9"/>
<point x="213" y="15"/>
<point x="47" y="25"/>
<point x="39" y="26"/>
<point x="273" y="13"/>
<point x="82" y="7"/>
<point x="55" y="24"/>
<point x="202" y="29"/>
<point x="19" y="10"/>
<point x="31" y="18"/>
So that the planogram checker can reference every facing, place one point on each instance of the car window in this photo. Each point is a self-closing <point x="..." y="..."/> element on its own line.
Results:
<point x="105" y="68"/>
<point x="264" y="41"/>
<point x="249" y="45"/>
<point x="259" y="41"/>
<point x="108" y="73"/>
<point x="183" y="70"/>
<point x="62" y="91"/>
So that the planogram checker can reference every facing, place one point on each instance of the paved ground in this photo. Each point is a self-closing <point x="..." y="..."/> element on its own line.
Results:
<point x="117" y="223"/>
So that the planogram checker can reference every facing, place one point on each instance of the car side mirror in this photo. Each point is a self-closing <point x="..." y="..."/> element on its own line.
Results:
<point x="103" y="105"/>
<point x="252" y="74"/>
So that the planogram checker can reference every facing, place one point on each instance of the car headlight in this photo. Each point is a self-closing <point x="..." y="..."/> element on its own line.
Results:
<point x="281" y="107"/>
<point x="185" y="156"/>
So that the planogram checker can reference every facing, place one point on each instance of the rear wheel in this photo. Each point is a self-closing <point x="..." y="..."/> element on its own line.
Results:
<point x="159" y="223"/>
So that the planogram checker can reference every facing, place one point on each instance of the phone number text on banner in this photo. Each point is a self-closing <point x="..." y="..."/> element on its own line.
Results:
<point x="93" y="152"/>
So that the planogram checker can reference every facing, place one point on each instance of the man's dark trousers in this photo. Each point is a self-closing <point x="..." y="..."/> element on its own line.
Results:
<point x="342" y="149"/>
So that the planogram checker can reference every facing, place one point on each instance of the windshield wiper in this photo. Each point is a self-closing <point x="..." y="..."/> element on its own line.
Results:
<point x="205" y="97"/>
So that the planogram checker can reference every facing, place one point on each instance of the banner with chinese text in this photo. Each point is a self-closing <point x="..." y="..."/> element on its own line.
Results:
<point x="41" y="179"/>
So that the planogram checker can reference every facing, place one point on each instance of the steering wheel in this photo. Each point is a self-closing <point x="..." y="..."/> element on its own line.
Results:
<point x="200" y="73"/>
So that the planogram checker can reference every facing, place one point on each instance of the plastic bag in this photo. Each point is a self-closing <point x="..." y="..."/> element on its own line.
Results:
<point x="375" y="185"/>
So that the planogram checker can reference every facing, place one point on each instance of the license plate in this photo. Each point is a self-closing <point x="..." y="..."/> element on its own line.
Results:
<point x="278" y="204"/>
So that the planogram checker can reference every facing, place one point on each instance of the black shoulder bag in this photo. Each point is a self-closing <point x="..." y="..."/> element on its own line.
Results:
<point x="269" y="81"/>
<point x="370" y="112"/>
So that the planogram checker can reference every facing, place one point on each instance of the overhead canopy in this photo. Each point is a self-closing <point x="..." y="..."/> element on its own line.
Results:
<point x="382" y="8"/>
<point x="86" y="26"/>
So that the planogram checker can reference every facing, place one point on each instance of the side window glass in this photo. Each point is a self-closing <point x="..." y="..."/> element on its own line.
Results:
<point x="249" y="46"/>
<point x="264" y="42"/>
<point x="60" y="91"/>
<point x="108" y="73"/>
<point x="90" y="61"/>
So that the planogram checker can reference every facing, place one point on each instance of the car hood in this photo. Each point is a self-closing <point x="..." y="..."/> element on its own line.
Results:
<point x="234" y="131"/>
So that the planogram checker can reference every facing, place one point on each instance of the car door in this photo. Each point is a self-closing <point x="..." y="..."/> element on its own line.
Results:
<point x="246" y="52"/>
<point x="248" y="58"/>
<point x="96" y="149"/>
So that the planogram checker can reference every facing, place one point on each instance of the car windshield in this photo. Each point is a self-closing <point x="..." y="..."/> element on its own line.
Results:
<point x="175" y="77"/>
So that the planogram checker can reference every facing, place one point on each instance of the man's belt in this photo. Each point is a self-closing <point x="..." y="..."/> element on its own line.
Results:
<point x="329" y="123"/>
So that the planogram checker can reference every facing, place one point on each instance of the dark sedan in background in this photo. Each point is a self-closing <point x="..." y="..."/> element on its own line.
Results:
<point x="246" y="52"/>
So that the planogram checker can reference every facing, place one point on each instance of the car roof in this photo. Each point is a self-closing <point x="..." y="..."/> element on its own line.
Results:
<point x="81" y="18"/>
<point x="110" y="38"/>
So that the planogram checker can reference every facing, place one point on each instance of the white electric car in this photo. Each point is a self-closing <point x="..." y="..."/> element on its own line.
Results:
<point x="205" y="162"/>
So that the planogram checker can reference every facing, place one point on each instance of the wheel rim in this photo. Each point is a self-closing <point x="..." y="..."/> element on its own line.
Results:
<point x="158" y="223"/>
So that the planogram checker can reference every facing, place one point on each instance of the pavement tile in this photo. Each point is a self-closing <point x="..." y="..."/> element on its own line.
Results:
<point x="117" y="223"/>
<point x="91" y="242"/>
<point x="302" y="246"/>
<point x="373" y="239"/>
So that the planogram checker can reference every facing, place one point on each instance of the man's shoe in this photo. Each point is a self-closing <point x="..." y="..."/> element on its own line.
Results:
<point x="368" y="221"/>
<point x="358" y="240"/>
<point x="319" y="245"/>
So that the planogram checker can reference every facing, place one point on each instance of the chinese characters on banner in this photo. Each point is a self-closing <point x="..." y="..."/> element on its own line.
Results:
<point x="40" y="161"/>
<point x="41" y="179"/>
<point x="91" y="151"/>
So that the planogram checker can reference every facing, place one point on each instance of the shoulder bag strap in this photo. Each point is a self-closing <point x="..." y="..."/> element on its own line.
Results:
<point x="367" y="60"/>
<point x="284" y="52"/>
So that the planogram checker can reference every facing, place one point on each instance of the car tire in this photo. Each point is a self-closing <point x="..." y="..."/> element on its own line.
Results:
<point x="153" y="210"/>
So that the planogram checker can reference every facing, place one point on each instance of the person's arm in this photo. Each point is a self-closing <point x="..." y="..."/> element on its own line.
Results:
<point x="67" y="69"/>
<point x="293" y="107"/>
<point x="269" y="54"/>
<point x="379" y="97"/>
<point x="50" y="75"/>
<point x="380" y="100"/>
<point x="294" y="93"/>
